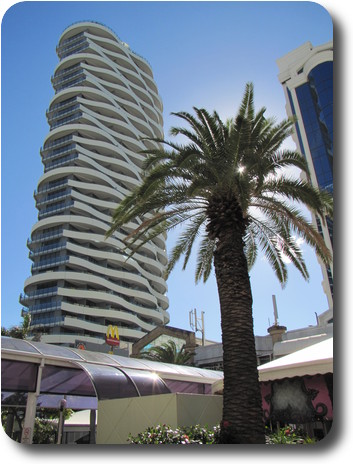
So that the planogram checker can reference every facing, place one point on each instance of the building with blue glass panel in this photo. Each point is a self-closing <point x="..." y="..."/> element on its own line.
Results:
<point x="306" y="75"/>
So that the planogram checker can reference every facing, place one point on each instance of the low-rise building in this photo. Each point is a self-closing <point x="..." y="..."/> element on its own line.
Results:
<point x="279" y="342"/>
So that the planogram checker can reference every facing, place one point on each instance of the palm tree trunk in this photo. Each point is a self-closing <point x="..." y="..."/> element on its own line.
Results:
<point x="242" y="405"/>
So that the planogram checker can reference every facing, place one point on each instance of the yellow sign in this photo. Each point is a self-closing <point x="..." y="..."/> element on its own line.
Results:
<point x="112" y="336"/>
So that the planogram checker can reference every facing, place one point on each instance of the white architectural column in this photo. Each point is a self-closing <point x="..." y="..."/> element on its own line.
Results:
<point x="31" y="407"/>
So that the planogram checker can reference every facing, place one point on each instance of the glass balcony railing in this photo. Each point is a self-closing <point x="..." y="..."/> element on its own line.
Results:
<point x="52" y="115"/>
<point x="66" y="73"/>
<point x="77" y="48"/>
<point x="60" y="206"/>
<point x="71" y="84"/>
<point x="50" y="187"/>
<point x="47" y="322"/>
<point x="60" y="162"/>
<point x="44" y="307"/>
<point x="38" y="293"/>
<point x="53" y="197"/>
<point x="67" y="120"/>
<point x="55" y="143"/>
<point x="71" y="39"/>
<point x="47" y="249"/>
<point x="50" y="262"/>
<point x="62" y="104"/>
<point x="68" y="77"/>
<point x="60" y="152"/>
<point x="46" y="236"/>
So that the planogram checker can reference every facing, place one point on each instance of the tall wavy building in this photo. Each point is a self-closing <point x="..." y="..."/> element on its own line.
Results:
<point x="306" y="75"/>
<point x="105" y="103"/>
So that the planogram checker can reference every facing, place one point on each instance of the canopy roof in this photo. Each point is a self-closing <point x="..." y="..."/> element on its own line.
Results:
<point x="312" y="360"/>
<point x="84" y="376"/>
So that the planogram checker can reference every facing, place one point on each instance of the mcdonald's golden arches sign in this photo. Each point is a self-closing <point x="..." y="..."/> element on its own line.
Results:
<point x="112" y="336"/>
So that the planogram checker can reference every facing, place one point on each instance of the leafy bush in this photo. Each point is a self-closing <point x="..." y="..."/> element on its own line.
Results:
<point x="164" y="434"/>
<point x="203" y="435"/>
<point x="288" y="436"/>
<point x="44" y="432"/>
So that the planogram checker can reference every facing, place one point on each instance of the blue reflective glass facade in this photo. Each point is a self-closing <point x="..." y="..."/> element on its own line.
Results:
<point x="315" y="100"/>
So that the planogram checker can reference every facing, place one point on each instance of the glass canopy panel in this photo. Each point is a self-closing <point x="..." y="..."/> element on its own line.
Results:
<point x="17" y="344"/>
<point x="154" y="366"/>
<point x="57" y="351"/>
<point x="101" y="358"/>
<point x="66" y="381"/>
<point x="207" y="373"/>
<point x="147" y="383"/>
<point x="18" y="376"/>
<point x="184" y="370"/>
<point x="110" y="382"/>
<point x="197" y="372"/>
<point x="127" y="362"/>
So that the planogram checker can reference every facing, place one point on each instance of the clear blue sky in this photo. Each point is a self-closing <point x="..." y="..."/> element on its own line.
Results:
<point x="202" y="54"/>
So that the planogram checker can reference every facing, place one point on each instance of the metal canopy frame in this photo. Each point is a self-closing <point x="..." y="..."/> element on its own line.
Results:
<point x="36" y="374"/>
<point x="87" y="375"/>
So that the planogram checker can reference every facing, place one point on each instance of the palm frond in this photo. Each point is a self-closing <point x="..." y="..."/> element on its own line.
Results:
<point x="237" y="162"/>
<point x="268" y="241"/>
<point x="185" y="242"/>
<point x="250" y="249"/>
<point x="281" y="213"/>
<point x="301" y="191"/>
<point x="288" y="158"/>
<point x="205" y="259"/>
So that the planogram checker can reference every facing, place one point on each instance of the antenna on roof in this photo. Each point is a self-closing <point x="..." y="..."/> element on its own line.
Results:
<point x="197" y="324"/>
<point x="275" y="309"/>
<point x="276" y="331"/>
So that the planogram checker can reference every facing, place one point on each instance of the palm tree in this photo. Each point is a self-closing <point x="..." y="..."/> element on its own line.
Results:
<point x="168" y="353"/>
<point x="228" y="188"/>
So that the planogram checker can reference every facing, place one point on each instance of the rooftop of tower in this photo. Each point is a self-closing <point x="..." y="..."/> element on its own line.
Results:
<point x="84" y="24"/>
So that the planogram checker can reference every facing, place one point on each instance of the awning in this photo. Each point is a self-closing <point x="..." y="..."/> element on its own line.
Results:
<point x="84" y="377"/>
<point x="315" y="359"/>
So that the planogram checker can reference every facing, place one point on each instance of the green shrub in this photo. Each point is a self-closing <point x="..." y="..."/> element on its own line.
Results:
<point x="164" y="435"/>
<point x="45" y="432"/>
<point x="204" y="435"/>
<point x="288" y="436"/>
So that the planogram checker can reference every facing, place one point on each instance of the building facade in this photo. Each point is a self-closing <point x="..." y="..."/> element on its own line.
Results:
<point x="268" y="347"/>
<point x="105" y="103"/>
<point x="208" y="354"/>
<point x="306" y="75"/>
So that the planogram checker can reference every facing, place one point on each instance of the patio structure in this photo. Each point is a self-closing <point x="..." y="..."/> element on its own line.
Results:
<point x="35" y="374"/>
<point x="296" y="389"/>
